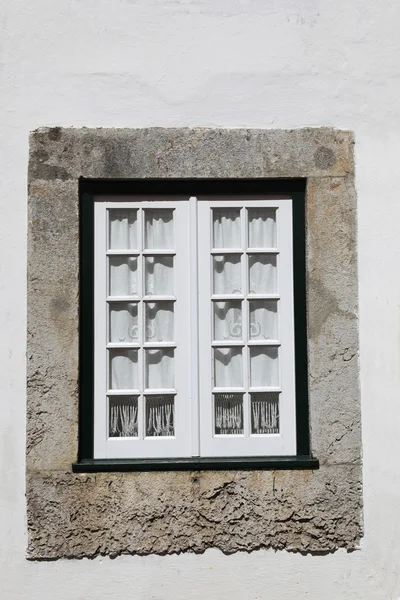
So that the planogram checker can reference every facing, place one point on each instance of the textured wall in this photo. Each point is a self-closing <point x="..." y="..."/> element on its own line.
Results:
<point x="222" y="63"/>
<point x="146" y="513"/>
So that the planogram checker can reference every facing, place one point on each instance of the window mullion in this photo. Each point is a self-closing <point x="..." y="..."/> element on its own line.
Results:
<point x="245" y="320"/>
<point x="194" y="327"/>
<point x="141" y="407"/>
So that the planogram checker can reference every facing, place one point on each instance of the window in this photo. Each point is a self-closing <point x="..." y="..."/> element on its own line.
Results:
<point x="194" y="338"/>
<point x="123" y="510"/>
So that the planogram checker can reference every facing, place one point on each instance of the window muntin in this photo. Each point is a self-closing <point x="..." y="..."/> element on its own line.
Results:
<point x="150" y="274"/>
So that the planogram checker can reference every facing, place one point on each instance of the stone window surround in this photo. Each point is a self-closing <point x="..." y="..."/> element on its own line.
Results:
<point x="80" y="514"/>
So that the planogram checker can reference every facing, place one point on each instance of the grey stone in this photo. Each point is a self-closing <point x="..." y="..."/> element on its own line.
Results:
<point x="190" y="153"/>
<point x="72" y="515"/>
<point x="84" y="515"/>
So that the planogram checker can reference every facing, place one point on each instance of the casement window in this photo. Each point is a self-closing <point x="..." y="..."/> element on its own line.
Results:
<point x="193" y="327"/>
<point x="238" y="265"/>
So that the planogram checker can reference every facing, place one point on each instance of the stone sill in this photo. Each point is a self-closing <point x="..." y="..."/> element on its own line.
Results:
<point x="196" y="464"/>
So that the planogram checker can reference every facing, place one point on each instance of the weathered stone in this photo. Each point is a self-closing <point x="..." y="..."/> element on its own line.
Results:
<point x="190" y="153"/>
<point x="53" y="264"/>
<point x="73" y="515"/>
<point x="84" y="515"/>
<point x="332" y="320"/>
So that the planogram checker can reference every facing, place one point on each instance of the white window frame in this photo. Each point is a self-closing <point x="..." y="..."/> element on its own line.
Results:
<point x="141" y="447"/>
<point x="193" y="332"/>
<point x="284" y="442"/>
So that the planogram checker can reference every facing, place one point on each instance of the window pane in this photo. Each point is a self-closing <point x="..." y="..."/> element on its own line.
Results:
<point x="123" y="369"/>
<point x="262" y="227"/>
<point x="265" y="413"/>
<point x="227" y="228"/>
<point x="122" y="229"/>
<point x="123" y="322"/>
<point x="263" y="320"/>
<point x="160" y="416"/>
<point x="159" y="232"/>
<point x="123" y="416"/>
<point x="123" y="276"/>
<point x="228" y="367"/>
<point x="228" y="414"/>
<point x="227" y="274"/>
<point x="159" y="368"/>
<point x="227" y="320"/>
<point x="262" y="274"/>
<point x="264" y="366"/>
<point x="159" y="321"/>
<point x="159" y="275"/>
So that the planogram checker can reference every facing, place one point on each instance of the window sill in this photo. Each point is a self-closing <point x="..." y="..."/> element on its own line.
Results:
<point x="196" y="464"/>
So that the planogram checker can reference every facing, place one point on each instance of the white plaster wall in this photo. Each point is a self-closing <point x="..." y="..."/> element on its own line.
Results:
<point x="241" y="63"/>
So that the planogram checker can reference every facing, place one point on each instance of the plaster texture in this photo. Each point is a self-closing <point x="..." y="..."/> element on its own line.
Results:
<point x="73" y="515"/>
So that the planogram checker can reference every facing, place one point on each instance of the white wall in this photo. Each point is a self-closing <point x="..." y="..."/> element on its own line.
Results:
<point x="242" y="63"/>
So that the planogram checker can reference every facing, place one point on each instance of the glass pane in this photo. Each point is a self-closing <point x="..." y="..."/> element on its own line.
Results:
<point x="264" y="367"/>
<point x="265" y="413"/>
<point x="160" y="416"/>
<point x="123" y="276"/>
<point x="123" y="229"/>
<point x="228" y="367"/>
<point x="123" y="323"/>
<point x="159" y="228"/>
<point x="262" y="227"/>
<point x="123" y="369"/>
<point x="263" y="320"/>
<point x="159" y="321"/>
<point x="227" y="274"/>
<point x="159" y="368"/>
<point x="262" y="274"/>
<point x="123" y="416"/>
<point x="228" y="414"/>
<point x="159" y="275"/>
<point x="227" y="228"/>
<point x="227" y="320"/>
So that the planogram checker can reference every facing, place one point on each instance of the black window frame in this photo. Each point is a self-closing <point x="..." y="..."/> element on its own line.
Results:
<point x="88" y="188"/>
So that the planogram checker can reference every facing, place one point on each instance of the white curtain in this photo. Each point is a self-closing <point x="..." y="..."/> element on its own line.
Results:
<point x="123" y="323"/>
<point x="262" y="228"/>
<point x="123" y="229"/>
<point x="228" y="414"/>
<point x="123" y="417"/>
<point x="262" y="276"/>
<point x="159" y="229"/>
<point x="159" y="368"/>
<point x="264" y="366"/>
<point x="159" y="321"/>
<point x="160" y="416"/>
<point x="159" y="275"/>
<point x="228" y="367"/>
<point x="227" y="274"/>
<point x="123" y="276"/>
<point x="227" y="321"/>
<point x="265" y="413"/>
<point x="227" y="228"/>
<point x="263" y="320"/>
<point x="123" y="369"/>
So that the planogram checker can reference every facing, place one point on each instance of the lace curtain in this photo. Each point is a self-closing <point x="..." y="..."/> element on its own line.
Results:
<point x="123" y="417"/>
<point x="265" y="413"/>
<point x="160" y="415"/>
<point x="229" y="413"/>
